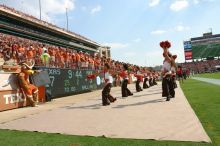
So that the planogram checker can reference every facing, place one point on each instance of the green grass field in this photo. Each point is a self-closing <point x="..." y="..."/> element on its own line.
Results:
<point x="205" y="100"/>
<point x="206" y="106"/>
<point x="209" y="75"/>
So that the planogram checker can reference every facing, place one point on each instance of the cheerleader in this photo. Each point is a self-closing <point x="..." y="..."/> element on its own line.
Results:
<point x="151" y="79"/>
<point x="154" y="78"/>
<point x="139" y="77"/>
<point x="145" y="85"/>
<point x="167" y="88"/>
<point x="106" y="96"/>
<point x="124" y="89"/>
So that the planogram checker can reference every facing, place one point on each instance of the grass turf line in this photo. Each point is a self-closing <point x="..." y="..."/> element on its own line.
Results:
<point x="209" y="75"/>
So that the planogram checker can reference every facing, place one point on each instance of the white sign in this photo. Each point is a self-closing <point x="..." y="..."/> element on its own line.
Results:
<point x="98" y="80"/>
<point x="13" y="98"/>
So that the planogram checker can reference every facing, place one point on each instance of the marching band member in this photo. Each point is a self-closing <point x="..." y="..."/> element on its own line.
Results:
<point x="30" y="91"/>
<point x="106" y="96"/>
<point x="124" y="87"/>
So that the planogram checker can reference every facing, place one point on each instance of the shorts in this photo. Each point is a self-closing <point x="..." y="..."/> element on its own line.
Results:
<point x="31" y="90"/>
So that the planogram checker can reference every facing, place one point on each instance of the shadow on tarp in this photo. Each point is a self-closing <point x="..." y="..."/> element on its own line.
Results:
<point x="139" y="103"/>
<point x="147" y="94"/>
<point x="93" y="106"/>
<point x="99" y="105"/>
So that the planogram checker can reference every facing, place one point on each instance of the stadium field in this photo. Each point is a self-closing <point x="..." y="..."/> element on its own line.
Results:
<point x="206" y="106"/>
<point x="209" y="75"/>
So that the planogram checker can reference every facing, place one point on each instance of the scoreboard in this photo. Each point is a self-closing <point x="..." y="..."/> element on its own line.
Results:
<point x="188" y="50"/>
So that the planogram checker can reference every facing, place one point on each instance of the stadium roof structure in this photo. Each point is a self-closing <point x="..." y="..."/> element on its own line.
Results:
<point x="73" y="39"/>
<point x="207" y="37"/>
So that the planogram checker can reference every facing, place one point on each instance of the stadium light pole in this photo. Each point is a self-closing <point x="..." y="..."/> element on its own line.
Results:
<point x="66" y="19"/>
<point x="40" y="8"/>
<point x="210" y="29"/>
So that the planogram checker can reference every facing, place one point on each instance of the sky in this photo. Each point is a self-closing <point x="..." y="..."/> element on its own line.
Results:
<point x="132" y="28"/>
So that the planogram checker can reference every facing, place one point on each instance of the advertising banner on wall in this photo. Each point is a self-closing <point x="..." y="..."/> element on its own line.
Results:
<point x="188" y="55"/>
<point x="187" y="45"/>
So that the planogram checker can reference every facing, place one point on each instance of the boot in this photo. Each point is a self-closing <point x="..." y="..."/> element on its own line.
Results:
<point x="168" y="98"/>
<point x="32" y="102"/>
<point x="35" y="97"/>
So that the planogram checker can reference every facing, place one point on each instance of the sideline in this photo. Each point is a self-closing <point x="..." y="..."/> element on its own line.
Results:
<point x="208" y="80"/>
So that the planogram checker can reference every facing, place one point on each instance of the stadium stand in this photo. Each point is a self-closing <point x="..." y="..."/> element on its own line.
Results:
<point x="15" y="49"/>
<point x="204" y="51"/>
<point x="201" y="66"/>
<point x="47" y="24"/>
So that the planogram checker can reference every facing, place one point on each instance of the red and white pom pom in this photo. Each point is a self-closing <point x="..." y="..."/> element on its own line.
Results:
<point x="162" y="44"/>
<point x="165" y="44"/>
<point x="174" y="56"/>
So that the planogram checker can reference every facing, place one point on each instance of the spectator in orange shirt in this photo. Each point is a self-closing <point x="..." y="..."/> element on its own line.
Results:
<point x="62" y="59"/>
<point x="30" y="54"/>
<point x="37" y="58"/>
<point x="2" y="61"/>
<point x="54" y="59"/>
<point x="70" y="58"/>
<point x="15" y="53"/>
<point x="78" y="60"/>
<point x="91" y="63"/>
<point x="73" y="59"/>
<point x="86" y="60"/>
<point x="66" y="58"/>
<point x="21" y="53"/>
<point x="40" y="50"/>
<point x="59" y="58"/>
<point x="82" y="58"/>
<point x="97" y="62"/>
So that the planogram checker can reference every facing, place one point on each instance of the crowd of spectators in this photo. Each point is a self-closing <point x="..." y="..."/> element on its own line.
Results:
<point x="15" y="50"/>
<point x="201" y="66"/>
